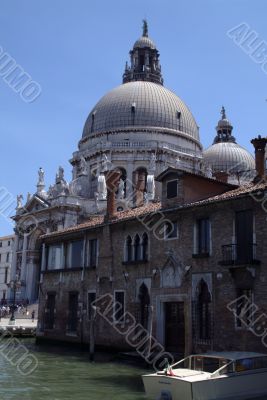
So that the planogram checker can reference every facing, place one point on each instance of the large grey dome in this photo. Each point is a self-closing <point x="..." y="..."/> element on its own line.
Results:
<point x="229" y="157"/>
<point x="141" y="104"/>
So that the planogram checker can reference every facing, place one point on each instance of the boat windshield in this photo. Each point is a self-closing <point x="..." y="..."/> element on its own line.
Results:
<point x="208" y="364"/>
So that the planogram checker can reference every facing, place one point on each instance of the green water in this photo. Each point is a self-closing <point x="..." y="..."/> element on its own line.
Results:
<point x="63" y="374"/>
<point x="68" y="375"/>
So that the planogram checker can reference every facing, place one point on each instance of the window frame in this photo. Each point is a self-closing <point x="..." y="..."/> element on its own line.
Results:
<point x="167" y="183"/>
<point x="89" y="254"/>
<point x="121" y="319"/>
<point x="199" y="250"/>
<point x="175" y="230"/>
<point x="68" y="330"/>
<point x="49" y="266"/>
<point x="69" y="255"/>
<point x="90" y="292"/>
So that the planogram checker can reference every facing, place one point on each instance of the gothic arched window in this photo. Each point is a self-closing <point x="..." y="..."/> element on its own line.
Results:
<point x="145" y="247"/>
<point x="128" y="249"/>
<point x="137" y="248"/>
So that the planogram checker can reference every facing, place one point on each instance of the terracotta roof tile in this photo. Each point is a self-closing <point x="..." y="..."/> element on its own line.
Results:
<point x="99" y="220"/>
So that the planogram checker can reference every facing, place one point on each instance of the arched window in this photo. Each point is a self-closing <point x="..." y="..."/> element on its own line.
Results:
<point x="204" y="311"/>
<point x="144" y="247"/>
<point x="137" y="248"/>
<point x="144" y="299"/>
<point x="128" y="249"/>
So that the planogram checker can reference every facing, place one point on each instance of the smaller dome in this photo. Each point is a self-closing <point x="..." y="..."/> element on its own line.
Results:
<point x="225" y="155"/>
<point x="229" y="157"/>
<point x="144" y="41"/>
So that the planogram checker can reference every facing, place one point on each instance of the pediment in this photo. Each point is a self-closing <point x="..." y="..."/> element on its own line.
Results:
<point x="36" y="203"/>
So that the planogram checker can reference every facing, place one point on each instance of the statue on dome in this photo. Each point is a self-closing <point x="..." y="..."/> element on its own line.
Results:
<point x="19" y="201"/>
<point x="41" y="176"/>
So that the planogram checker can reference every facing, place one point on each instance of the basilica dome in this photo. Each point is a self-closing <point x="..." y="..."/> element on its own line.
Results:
<point x="225" y="155"/>
<point x="140" y="104"/>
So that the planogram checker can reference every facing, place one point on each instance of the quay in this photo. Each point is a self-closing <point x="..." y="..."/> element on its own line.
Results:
<point x="21" y="327"/>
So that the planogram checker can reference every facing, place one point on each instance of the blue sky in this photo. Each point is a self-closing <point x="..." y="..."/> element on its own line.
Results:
<point x="76" y="50"/>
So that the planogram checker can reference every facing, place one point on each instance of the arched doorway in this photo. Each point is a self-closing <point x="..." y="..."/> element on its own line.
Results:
<point x="144" y="299"/>
<point x="203" y="311"/>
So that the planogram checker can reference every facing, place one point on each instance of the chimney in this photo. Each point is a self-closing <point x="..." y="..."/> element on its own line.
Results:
<point x="221" y="176"/>
<point x="140" y="185"/>
<point x="112" y="182"/>
<point x="259" y="144"/>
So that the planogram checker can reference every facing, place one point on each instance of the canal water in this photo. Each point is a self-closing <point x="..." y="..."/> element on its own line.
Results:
<point x="63" y="374"/>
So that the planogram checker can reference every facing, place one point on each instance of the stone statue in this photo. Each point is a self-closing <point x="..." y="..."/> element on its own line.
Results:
<point x="101" y="187"/>
<point x="121" y="191"/>
<point x="19" y="201"/>
<point x="177" y="163"/>
<point x="41" y="176"/>
<point x="152" y="162"/>
<point x="104" y="163"/>
<point x="150" y="187"/>
<point x="60" y="174"/>
<point x="209" y="172"/>
<point x="83" y="166"/>
<point x="50" y="191"/>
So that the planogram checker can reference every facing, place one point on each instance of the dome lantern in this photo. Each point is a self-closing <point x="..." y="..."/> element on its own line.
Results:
<point x="145" y="65"/>
<point x="224" y="129"/>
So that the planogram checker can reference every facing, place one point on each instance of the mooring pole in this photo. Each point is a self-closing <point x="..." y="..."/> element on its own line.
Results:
<point x="149" y="326"/>
<point x="92" y="334"/>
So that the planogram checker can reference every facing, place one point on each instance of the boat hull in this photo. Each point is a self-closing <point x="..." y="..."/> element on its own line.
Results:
<point x="237" y="386"/>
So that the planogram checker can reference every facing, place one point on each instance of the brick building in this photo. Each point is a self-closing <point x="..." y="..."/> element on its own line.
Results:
<point x="193" y="264"/>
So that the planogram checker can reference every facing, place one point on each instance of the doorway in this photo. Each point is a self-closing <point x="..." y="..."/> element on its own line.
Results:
<point x="174" y="327"/>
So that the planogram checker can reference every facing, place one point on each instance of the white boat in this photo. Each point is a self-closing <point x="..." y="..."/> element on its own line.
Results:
<point x="210" y="376"/>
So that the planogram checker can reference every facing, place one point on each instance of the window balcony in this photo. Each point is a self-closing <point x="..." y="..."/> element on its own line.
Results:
<point x="233" y="254"/>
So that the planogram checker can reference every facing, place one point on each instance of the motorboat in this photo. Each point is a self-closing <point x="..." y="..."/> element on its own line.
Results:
<point x="210" y="376"/>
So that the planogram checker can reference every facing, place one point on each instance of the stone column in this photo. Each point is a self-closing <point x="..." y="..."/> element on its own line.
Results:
<point x="14" y="258"/>
<point x="43" y="262"/>
<point x="24" y="258"/>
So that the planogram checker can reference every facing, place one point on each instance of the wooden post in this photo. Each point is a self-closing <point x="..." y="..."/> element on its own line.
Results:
<point x="149" y="327"/>
<point x="92" y="333"/>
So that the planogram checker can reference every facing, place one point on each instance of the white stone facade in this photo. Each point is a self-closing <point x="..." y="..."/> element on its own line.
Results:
<point x="6" y="253"/>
